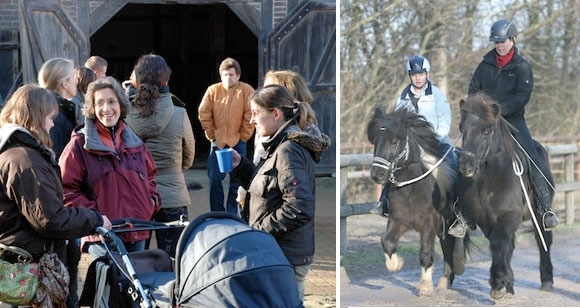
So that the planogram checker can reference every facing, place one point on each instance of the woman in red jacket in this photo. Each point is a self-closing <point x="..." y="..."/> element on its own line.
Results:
<point x="107" y="167"/>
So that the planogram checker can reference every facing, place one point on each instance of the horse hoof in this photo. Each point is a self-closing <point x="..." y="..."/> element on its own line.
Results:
<point x="426" y="288"/>
<point x="498" y="294"/>
<point x="443" y="283"/>
<point x="394" y="263"/>
<point x="547" y="286"/>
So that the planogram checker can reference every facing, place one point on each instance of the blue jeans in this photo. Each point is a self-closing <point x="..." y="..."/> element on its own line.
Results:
<point x="216" y="190"/>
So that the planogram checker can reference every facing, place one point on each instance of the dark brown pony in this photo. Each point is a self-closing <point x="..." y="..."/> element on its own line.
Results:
<point x="492" y="193"/>
<point x="407" y="157"/>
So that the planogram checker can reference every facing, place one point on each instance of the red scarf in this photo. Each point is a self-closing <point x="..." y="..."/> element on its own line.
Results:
<point x="105" y="134"/>
<point x="503" y="60"/>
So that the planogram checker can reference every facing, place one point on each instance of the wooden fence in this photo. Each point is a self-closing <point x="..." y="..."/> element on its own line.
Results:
<point x="568" y="186"/>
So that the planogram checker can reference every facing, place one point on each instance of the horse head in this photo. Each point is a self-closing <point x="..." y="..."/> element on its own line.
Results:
<point x="480" y="126"/>
<point x="388" y="133"/>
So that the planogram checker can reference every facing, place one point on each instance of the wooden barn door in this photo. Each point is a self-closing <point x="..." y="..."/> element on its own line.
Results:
<point x="306" y="43"/>
<point x="46" y="31"/>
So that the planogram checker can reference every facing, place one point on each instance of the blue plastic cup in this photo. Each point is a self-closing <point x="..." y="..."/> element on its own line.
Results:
<point x="225" y="159"/>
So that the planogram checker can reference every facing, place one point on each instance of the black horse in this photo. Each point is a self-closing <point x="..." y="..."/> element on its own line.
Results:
<point x="494" y="188"/>
<point x="407" y="155"/>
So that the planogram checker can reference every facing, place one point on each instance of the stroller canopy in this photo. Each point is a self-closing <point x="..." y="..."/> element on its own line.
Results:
<point x="222" y="262"/>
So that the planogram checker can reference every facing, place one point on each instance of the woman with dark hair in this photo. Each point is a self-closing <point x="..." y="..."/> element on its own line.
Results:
<point x="107" y="167"/>
<point x="281" y="186"/>
<point x="84" y="76"/>
<point x="160" y="119"/>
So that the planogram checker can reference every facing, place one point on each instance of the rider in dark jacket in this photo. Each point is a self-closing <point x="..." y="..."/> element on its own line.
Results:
<point x="507" y="77"/>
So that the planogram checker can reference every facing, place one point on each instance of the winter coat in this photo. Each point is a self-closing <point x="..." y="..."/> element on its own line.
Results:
<point x="225" y="114"/>
<point x="511" y="86"/>
<point x="169" y="137"/>
<point x="282" y="190"/>
<point x="64" y="124"/>
<point x="433" y="105"/>
<point x="32" y="214"/>
<point x="118" y="183"/>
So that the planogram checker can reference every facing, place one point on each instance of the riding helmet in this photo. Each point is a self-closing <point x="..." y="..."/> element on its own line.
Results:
<point x="502" y="30"/>
<point x="418" y="64"/>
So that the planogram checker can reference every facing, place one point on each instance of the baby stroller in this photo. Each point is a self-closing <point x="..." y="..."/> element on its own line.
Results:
<point x="220" y="262"/>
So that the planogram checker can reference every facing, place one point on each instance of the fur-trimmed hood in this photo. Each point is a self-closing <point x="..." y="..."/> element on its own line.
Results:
<point x="311" y="139"/>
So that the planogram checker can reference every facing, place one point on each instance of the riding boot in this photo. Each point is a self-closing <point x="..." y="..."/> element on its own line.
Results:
<point x="382" y="207"/>
<point x="461" y="224"/>
<point x="544" y="201"/>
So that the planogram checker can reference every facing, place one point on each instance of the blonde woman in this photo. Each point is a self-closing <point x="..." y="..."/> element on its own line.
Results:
<point x="57" y="76"/>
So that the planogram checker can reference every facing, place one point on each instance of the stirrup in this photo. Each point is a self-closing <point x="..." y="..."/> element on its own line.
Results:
<point x="455" y="231"/>
<point x="544" y="220"/>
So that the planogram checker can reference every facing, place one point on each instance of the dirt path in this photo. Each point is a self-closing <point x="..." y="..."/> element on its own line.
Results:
<point x="364" y="280"/>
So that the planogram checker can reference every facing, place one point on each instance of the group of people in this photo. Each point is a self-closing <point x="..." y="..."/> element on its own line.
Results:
<point x="505" y="76"/>
<point x="78" y="150"/>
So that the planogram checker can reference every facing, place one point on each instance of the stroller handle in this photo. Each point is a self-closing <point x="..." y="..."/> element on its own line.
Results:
<point x="122" y="225"/>
<point x="112" y="239"/>
<point x="108" y="237"/>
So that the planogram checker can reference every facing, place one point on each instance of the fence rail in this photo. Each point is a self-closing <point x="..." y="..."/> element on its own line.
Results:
<point x="569" y="185"/>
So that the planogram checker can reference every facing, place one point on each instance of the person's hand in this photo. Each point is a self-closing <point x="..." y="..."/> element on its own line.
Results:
<point x="236" y="158"/>
<point x="107" y="223"/>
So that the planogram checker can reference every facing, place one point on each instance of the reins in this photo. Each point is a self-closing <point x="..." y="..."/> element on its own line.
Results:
<point x="519" y="170"/>
<point x="382" y="163"/>
<point x="533" y="163"/>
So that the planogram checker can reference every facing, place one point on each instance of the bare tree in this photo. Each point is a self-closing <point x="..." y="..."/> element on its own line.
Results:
<point x="377" y="37"/>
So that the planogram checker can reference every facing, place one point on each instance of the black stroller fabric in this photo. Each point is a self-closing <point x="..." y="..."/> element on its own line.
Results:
<point x="104" y="279"/>
<point x="222" y="262"/>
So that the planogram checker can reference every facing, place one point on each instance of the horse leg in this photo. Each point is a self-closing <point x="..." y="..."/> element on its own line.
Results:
<point x="426" y="260"/>
<point x="448" y="247"/>
<point x="546" y="269"/>
<point x="501" y="246"/>
<point x="390" y="243"/>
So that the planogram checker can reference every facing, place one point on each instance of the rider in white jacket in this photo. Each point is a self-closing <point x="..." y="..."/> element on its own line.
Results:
<point x="431" y="103"/>
<point x="423" y="97"/>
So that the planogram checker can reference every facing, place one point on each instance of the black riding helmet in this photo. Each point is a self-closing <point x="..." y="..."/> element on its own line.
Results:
<point x="502" y="30"/>
<point x="418" y="64"/>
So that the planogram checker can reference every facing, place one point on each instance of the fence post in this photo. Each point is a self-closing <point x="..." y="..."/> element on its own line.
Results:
<point x="569" y="195"/>
<point x="343" y="200"/>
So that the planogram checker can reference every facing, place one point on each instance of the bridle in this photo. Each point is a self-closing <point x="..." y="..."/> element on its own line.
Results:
<point x="391" y="166"/>
<point x="480" y="159"/>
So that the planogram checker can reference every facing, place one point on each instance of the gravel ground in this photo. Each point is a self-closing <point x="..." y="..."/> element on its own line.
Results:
<point x="365" y="281"/>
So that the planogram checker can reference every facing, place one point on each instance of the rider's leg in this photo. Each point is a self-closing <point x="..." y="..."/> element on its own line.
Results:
<point x="542" y="190"/>
<point x="543" y="196"/>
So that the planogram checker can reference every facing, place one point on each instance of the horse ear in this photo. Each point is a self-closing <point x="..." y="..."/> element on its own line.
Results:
<point x="379" y="112"/>
<point x="495" y="110"/>
<point x="461" y="103"/>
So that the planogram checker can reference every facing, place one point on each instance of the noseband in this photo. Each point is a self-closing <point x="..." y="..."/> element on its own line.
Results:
<point x="380" y="162"/>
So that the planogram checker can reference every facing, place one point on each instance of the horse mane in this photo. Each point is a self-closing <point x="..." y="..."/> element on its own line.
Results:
<point x="420" y="130"/>
<point x="486" y="108"/>
<point x="402" y="123"/>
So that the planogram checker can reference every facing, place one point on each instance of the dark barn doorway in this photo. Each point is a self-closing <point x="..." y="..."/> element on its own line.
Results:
<point x="193" y="39"/>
